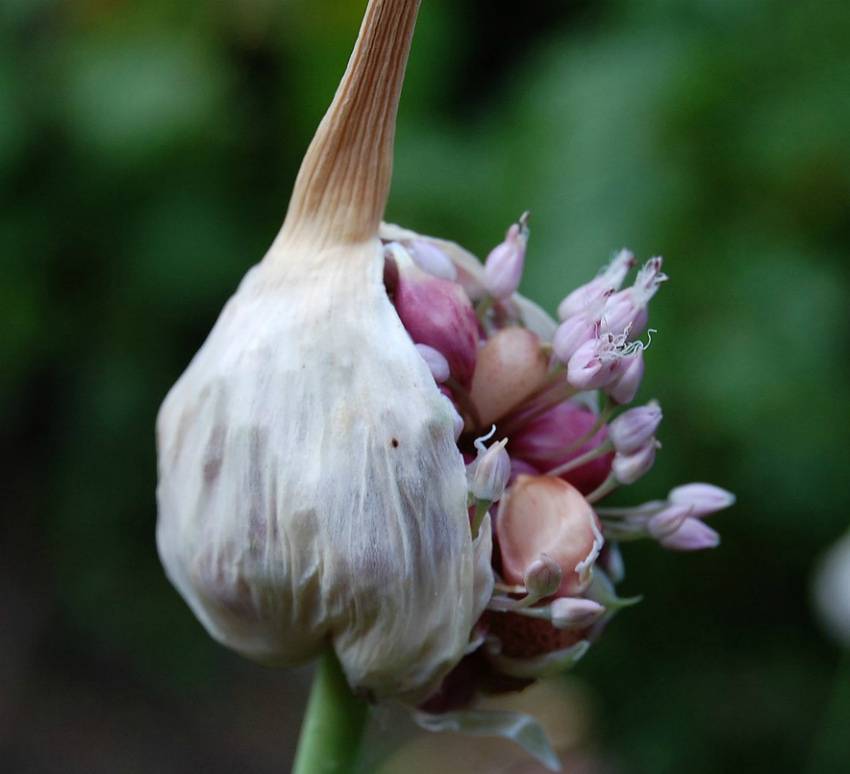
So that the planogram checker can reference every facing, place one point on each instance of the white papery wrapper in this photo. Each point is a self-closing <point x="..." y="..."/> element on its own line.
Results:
<point x="310" y="489"/>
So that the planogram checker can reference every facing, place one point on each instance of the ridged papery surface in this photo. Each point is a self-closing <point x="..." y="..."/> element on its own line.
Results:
<point x="310" y="487"/>
<point x="310" y="490"/>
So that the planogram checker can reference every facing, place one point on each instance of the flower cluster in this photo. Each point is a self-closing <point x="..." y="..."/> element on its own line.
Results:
<point x="555" y="397"/>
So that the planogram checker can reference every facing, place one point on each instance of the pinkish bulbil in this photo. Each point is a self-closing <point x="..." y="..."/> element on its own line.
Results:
<point x="549" y="441"/>
<point x="545" y="515"/>
<point x="436" y="312"/>
<point x="511" y="367"/>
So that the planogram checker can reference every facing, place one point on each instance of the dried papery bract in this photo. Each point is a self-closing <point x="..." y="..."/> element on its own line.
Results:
<point x="310" y="489"/>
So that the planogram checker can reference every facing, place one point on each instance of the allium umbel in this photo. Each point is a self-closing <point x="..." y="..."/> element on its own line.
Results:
<point x="323" y="473"/>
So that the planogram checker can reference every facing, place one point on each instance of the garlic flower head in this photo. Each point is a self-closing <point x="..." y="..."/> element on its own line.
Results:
<point x="311" y="493"/>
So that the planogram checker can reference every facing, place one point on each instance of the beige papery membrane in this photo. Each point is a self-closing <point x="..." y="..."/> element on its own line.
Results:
<point x="310" y="489"/>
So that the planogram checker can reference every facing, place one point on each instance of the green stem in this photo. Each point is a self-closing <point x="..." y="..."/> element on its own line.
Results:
<point x="333" y="724"/>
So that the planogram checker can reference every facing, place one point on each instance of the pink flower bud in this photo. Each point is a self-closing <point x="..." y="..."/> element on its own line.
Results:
<point x="547" y="440"/>
<point x="543" y="577"/>
<point x="575" y="613"/>
<point x="693" y="535"/>
<point x="511" y="367"/>
<point x="590" y="368"/>
<point x="703" y="499"/>
<point x="488" y="475"/>
<point x="611" y="278"/>
<point x="628" y="468"/>
<point x="436" y="312"/>
<point x="432" y="259"/>
<point x="625" y="312"/>
<point x="668" y="521"/>
<point x="545" y="515"/>
<point x="435" y="361"/>
<point x="628" y="379"/>
<point x="572" y="334"/>
<point x="503" y="267"/>
<point x="633" y="429"/>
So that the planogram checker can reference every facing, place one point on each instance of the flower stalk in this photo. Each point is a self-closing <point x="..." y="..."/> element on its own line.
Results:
<point x="333" y="724"/>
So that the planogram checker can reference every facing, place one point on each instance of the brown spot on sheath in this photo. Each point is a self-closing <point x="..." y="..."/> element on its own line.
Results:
<point x="395" y="443"/>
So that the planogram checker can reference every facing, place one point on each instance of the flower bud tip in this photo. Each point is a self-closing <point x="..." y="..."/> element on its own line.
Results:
<point x="574" y="613"/>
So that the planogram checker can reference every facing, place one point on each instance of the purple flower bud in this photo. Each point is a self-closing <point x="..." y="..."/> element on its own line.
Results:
<point x="593" y="366"/>
<point x="572" y="334"/>
<point x="432" y="259"/>
<point x="628" y="379"/>
<point x="625" y="312"/>
<point x="575" y="613"/>
<point x="703" y="499"/>
<point x="503" y="267"/>
<point x="488" y="475"/>
<point x="633" y="429"/>
<point x="436" y="312"/>
<point x="436" y="362"/>
<point x="628" y="468"/>
<point x="611" y="278"/>
<point x="693" y="535"/>
<point x="543" y="577"/>
<point x="668" y="521"/>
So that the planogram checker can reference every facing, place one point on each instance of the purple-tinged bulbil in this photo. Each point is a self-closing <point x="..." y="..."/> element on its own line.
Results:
<point x="436" y="312"/>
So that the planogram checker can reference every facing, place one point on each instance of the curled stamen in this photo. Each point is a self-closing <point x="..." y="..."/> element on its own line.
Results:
<point x="479" y="442"/>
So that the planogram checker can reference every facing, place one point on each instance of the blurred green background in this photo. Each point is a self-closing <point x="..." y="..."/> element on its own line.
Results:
<point x="147" y="151"/>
